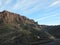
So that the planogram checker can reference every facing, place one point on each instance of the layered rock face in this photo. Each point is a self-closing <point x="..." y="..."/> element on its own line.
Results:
<point x="9" y="17"/>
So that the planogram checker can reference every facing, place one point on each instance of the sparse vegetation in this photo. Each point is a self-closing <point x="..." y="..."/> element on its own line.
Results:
<point x="18" y="30"/>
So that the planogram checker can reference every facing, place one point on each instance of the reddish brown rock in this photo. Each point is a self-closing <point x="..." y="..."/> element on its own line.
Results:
<point x="9" y="17"/>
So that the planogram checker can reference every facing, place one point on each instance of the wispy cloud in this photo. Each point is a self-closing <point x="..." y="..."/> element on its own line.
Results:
<point x="55" y="3"/>
<point x="24" y="4"/>
<point x="36" y="8"/>
<point x="18" y="4"/>
<point x="43" y="18"/>
<point x="8" y="1"/>
<point x="29" y="6"/>
<point x="33" y="9"/>
<point x="0" y="2"/>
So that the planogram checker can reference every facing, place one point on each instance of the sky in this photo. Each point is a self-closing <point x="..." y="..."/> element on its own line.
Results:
<point x="45" y="12"/>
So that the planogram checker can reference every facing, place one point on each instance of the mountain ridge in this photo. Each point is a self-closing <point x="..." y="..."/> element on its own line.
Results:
<point x="10" y="17"/>
<point x="16" y="29"/>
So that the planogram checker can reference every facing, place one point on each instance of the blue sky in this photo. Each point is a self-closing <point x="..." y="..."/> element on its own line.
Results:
<point x="43" y="11"/>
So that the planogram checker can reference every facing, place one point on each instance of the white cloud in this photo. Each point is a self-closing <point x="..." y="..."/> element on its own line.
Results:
<point x="43" y="18"/>
<point x="36" y="8"/>
<point x="0" y="2"/>
<point x="55" y="3"/>
<point x="29" y="6"/>
<point x="18" y="4"/>
<point x="24" y="4"/>
<point x="8" y="1"/>
<point x="30" y="3"/>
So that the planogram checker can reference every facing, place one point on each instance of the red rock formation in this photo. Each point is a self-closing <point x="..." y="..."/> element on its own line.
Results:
<point x="9" y="17"/>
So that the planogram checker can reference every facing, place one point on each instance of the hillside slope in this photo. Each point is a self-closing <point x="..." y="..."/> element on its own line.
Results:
<point x="53" y="30"/>
<point x="19" y="30"/>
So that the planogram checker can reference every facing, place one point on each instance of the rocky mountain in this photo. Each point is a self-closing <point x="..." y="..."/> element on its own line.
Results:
<point x="9" y="17"/>
<point x="20" y="30"/>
